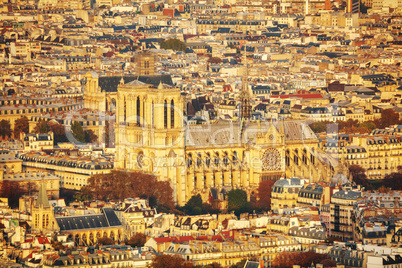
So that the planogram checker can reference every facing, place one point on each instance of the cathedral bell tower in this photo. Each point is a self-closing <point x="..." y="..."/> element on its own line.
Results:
<point x="150" y="133"/>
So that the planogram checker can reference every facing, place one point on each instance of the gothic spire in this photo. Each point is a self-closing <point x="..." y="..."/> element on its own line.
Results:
<point x="42" y="195"/>
<point x="245" y="112"/>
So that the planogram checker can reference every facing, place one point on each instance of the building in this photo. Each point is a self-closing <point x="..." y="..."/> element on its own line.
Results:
<point x="353" y="6"/>
<point x="87" y="229"/>
<point x="284" y="193"/>
<point x="342" y="203"/>
<point x="31" y="181"/>
<point x="43" y="220"/>
<point x="220" y="154"/>
<point x="73" y="169"/>
<point x="37" y="142"/>
<point x="145" y="63"/>
<point x="9" y="163"/>
<point x="315" y="194"/>
<point x="135" y="216"/>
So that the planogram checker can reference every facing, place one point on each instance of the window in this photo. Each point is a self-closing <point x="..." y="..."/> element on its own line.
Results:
<point x="125" y="114"/>
<point x="172" y="114"/>
<point x="153" y="115"/>
<point x="138" y="114"/>
<point x="165" y="113"/>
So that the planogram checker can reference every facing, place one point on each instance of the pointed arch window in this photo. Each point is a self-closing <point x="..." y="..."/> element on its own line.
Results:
<point x="153" y="115"/>
<point x="138" y="109"/>
<point x="165" y="114"/>
<point x="172" y="114"/>
<point x="125" y="109"/>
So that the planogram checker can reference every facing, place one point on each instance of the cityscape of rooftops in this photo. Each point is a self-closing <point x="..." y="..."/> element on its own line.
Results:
<point x="201" y="133"/>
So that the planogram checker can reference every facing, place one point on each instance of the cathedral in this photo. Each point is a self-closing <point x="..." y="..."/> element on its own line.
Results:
<point x="207" y="159"/>
<point x="152" y="137"/>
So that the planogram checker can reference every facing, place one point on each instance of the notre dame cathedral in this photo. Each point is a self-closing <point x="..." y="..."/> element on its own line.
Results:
<point x="152" y="137"/>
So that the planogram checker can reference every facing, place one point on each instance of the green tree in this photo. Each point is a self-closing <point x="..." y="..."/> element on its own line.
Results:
<point x="41" y="127"/>
<point x="319" y="127"/>
<point x="368" y="125"/>
<point x="21" y="125"/>
<point x="90" y="136"/>
<point x="78" y="131"/>
<point x="174" y="44"/>
<point x="137" y="240"/>
<point x="194" y="205"/>
<point x="237" y="200"/>
<point x="5" y="128"/>
<point x="85" y="194"/>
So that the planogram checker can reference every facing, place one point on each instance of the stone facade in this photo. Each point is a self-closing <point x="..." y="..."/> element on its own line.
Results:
<point x="151" y="137"/>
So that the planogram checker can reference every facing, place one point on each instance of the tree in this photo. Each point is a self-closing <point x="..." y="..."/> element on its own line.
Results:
<point x="174" y="44"/>
<point x="212" y="265"/>
<point x="57" y="245"/>
<point x="21" y="125"/>
<point x="240" y="264"/>
<point x="328" y="263"/>
<point x="319" y="127"/>
<point x="105" y="241"/>
<point x="170" y="261"/>
<point x="384" y="189"/>
<point x="137" y="240"/>
<point x="388" y="118"/>
<point x="370" y="126"/>
<point x="59" y="132"/>
<point x="237" y="200"/>
<point x="393" y="181"/>
<point x="85" y="194"/>
<point x="264" y="194"/>
<point x="120" y="185"/>
<point x="90" y="136"/>
<point x="13" y="191"/>
<point x="41" y="127"/>
<point x="194" y="205"/>
<point x="303" y="259"/>
<point x="363" y="8"/>
<point x="359" y="175"/>
<point x="5" y="129"/>
<point x="214" y="60"/>
<point x="30" y="188"/>
<point x="78" y="131"/>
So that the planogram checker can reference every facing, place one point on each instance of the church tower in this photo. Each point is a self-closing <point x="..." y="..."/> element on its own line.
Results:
<point x="150" y="133"/>
<point x="42" y="213"/>
<point x="94" y="98"/>
<point x="245" y="108"/>
<point x="145" y="63"/>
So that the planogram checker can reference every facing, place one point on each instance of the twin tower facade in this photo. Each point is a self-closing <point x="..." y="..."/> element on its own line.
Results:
<point x="152" y="136"/>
